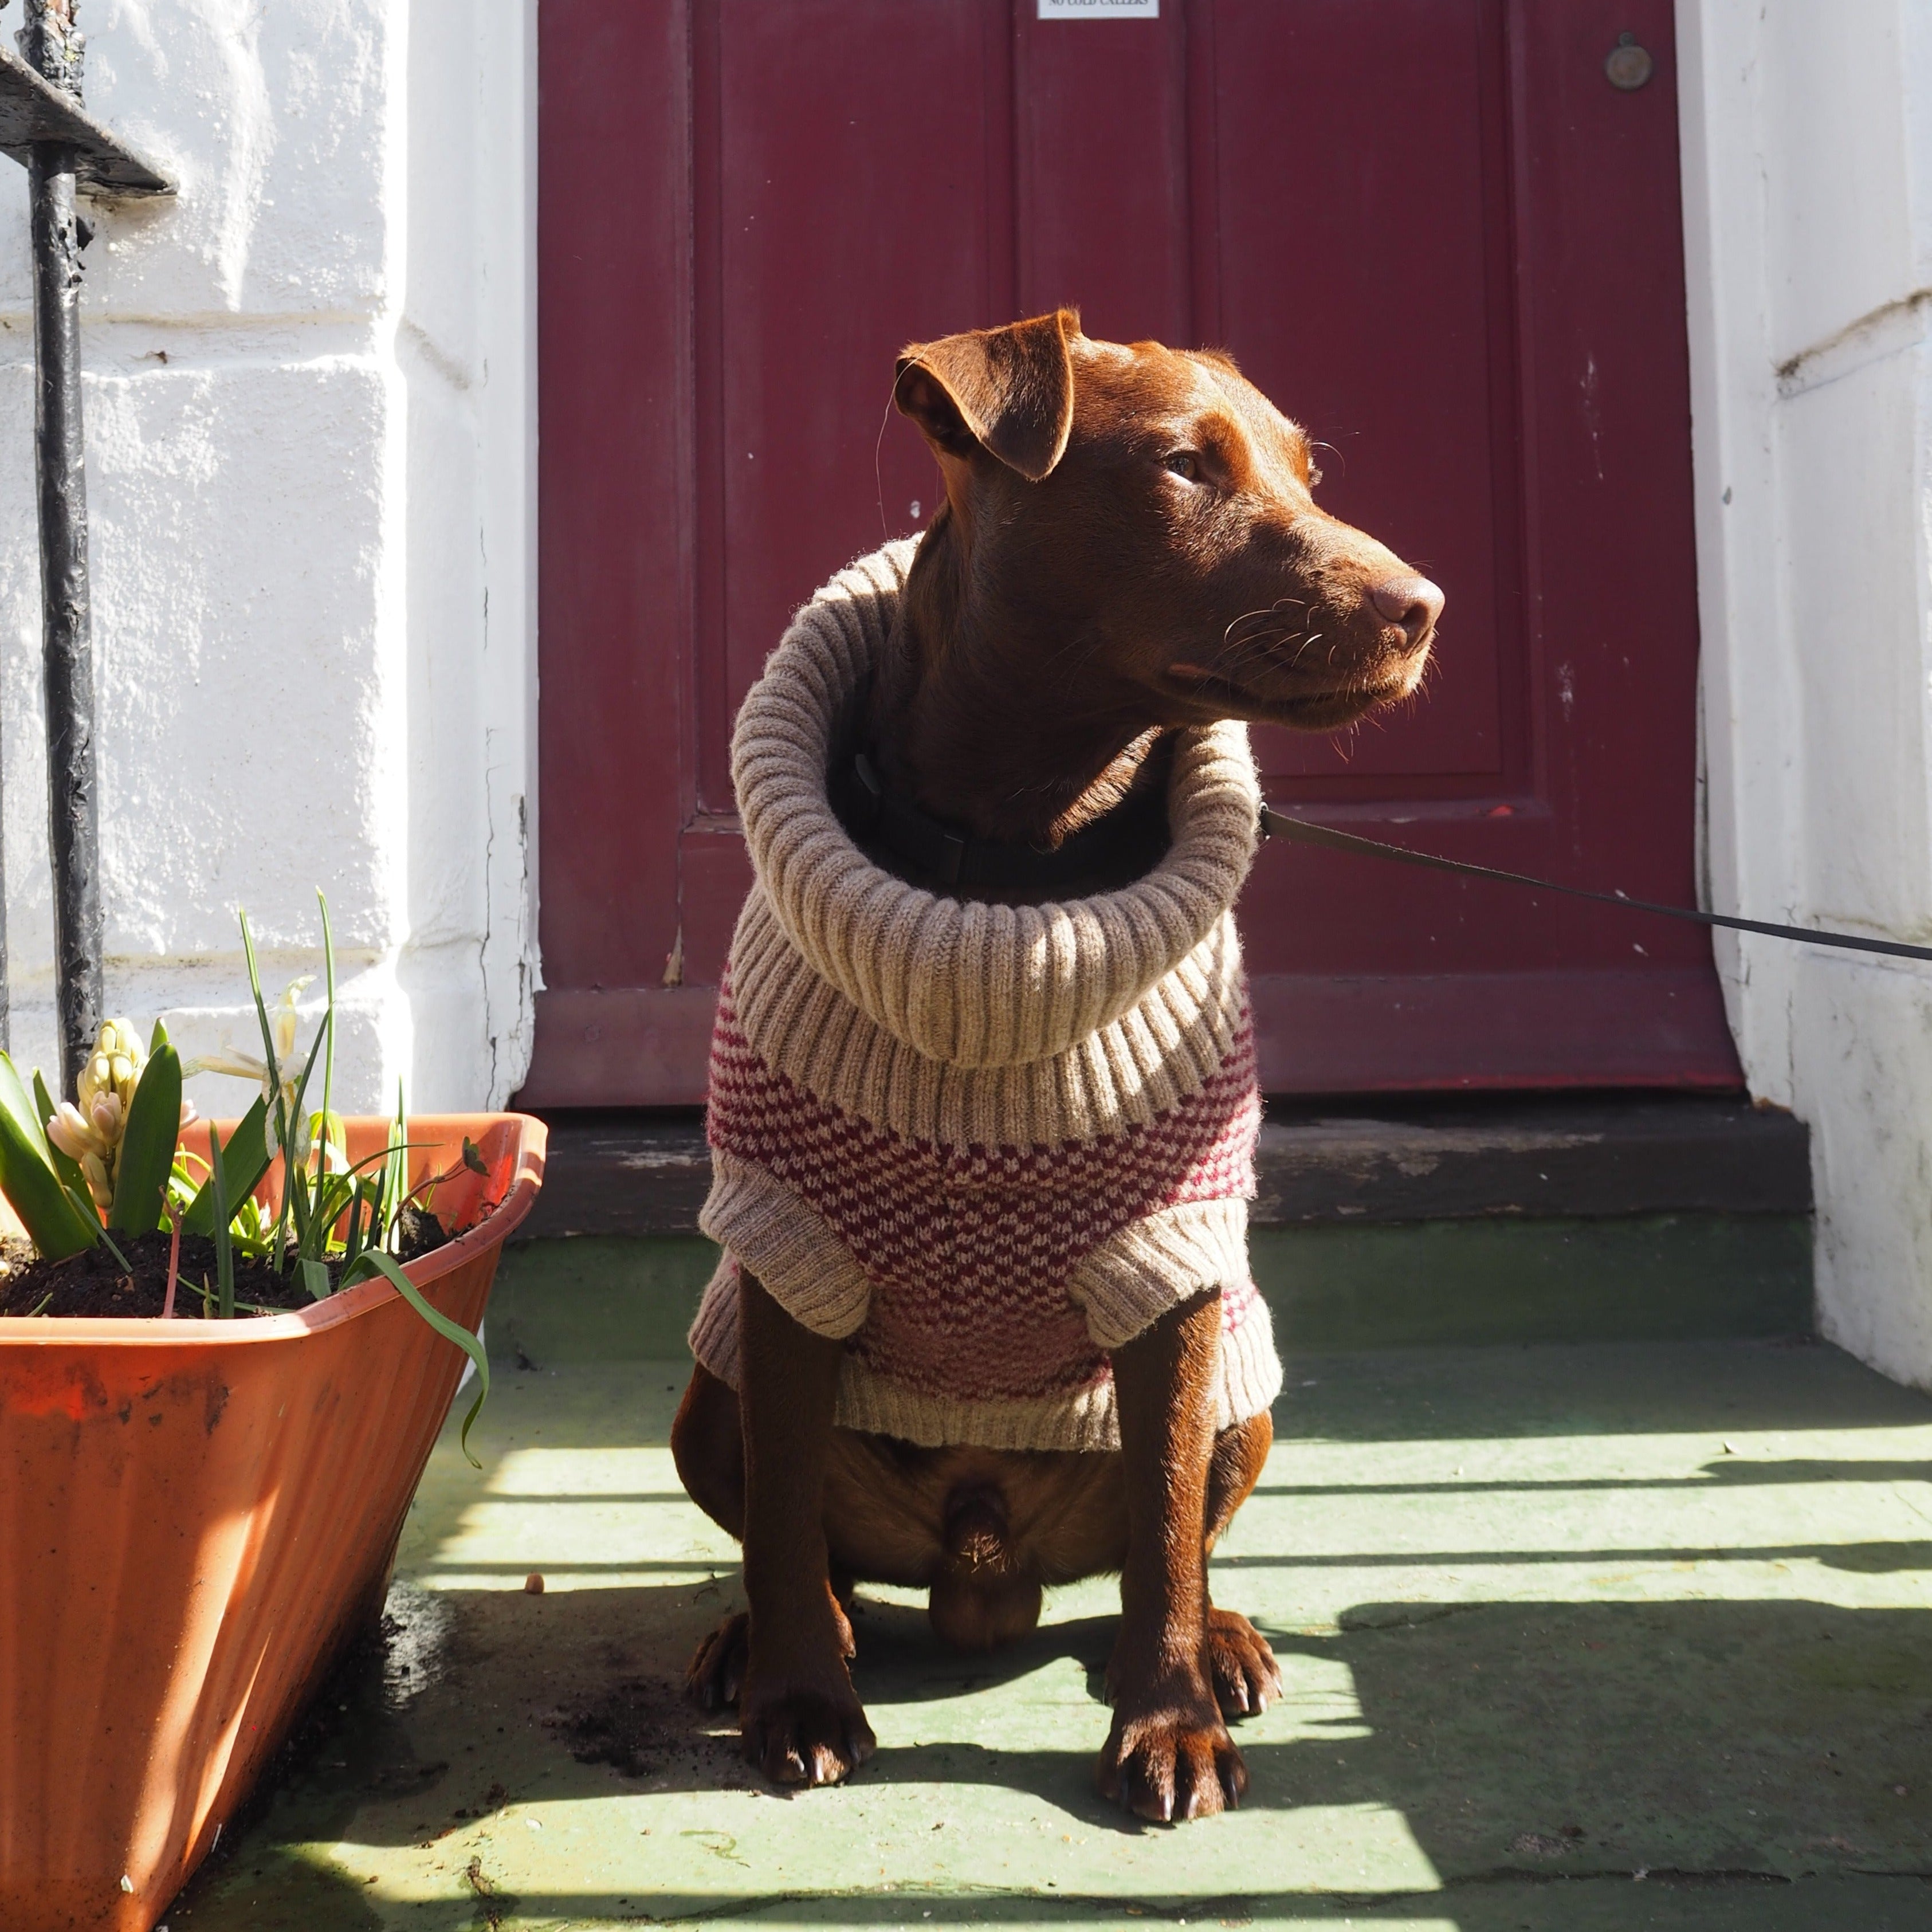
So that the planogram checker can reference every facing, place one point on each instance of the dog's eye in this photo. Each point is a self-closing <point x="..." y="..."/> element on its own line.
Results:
<point x="1185" y="462"/>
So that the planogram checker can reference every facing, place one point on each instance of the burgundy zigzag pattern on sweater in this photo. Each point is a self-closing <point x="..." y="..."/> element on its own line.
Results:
<point x="969" y="1250"/>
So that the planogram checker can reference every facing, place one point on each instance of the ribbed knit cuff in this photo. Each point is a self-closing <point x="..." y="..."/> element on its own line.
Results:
<point x="1083" y="1420"/>
<point x="1135" y="1276"/>
<point x="714" y="1330"/>
<point x="966" y="983"/>
<point x="807" y="1270"/>
<point x="1250" y="1368"/>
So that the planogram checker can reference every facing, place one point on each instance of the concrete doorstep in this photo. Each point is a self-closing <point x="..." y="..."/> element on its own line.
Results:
<point x="1503" y="1157"/>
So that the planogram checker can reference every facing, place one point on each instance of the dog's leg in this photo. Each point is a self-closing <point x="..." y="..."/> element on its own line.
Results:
<point x="799" y="1715"/>
<point x="1245" y="1677"/>
<point x="707" y="1444"/>
<point x="1168" y="1755"/>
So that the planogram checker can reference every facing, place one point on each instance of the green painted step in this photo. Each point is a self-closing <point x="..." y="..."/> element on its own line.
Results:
<point x="1638" y="1278"/>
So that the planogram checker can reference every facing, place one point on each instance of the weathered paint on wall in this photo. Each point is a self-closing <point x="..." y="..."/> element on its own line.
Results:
<point x="1807" y="177"/>
<point x="310" y="433"/>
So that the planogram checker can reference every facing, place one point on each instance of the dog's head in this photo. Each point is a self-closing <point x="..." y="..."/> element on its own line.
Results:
<point x="1158" y="510"/>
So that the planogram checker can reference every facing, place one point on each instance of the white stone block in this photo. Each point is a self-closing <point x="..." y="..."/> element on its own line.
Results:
<point x="1865" y="1068"/>
<point x="1837" y="183"/>
<point x="276" y="122"/>
<point x="1850" y="543"/>
<point x="311" y="503"/>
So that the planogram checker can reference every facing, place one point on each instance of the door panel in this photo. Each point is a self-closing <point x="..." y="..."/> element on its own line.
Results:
<point x="829" y="259"/>
<point x="1430" y="229"/>
<point x="1371" y="297"/>
<point x="615" y="506"/>
<point x="1102" y="174"/>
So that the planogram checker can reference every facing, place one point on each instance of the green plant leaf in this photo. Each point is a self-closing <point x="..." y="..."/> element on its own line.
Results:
<point x="297" y="1178"/>
<point x="395" y="1177"/>
<point x="148" y="1144"/>
<point x="296" y="1111"/>
<point x="14" y="1100"/>
<point x="375" y="1262"/>
<point x="27" y="1179"/>
<point x="157" y="1039"/>
<point x="315" y="1279"/>
<point x="311" y="1232"/>
<point x="83" y="1204"/>
<point x="65" y="1165"/>
<point x="244" y="1161"/>
<point x="224" y="1253"/>
<point x="261" y="1004"/>
<point x="283" y="1122"/>
<point x="352" y="1240"/>
<point x="328" y="1021"/>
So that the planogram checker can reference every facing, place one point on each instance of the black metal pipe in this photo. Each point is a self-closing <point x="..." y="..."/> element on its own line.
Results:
<point x="73" y="839"/>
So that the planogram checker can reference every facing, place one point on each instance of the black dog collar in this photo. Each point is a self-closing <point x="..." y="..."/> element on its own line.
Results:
<point x="959" y="859"/>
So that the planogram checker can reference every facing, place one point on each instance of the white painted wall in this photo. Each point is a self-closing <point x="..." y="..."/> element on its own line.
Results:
<point x="1807" y="129"/>
<point x="310" y="397"/>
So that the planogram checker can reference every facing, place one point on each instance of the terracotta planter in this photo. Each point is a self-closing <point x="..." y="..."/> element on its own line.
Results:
<point x="194" y="1517"/>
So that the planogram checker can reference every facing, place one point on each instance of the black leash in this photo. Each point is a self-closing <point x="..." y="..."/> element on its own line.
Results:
<point x="1275" y="824"/>
<point x="957" y="858"/>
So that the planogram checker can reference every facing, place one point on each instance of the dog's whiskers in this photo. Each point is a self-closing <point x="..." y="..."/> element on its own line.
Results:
<point x="1275" y="610"/>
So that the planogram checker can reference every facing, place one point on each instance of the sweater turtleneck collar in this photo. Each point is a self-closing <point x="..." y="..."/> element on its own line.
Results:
<point x="964" y="982"/>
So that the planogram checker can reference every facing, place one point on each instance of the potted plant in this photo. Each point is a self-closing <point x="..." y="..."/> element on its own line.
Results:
<point x="223" y="1362"/>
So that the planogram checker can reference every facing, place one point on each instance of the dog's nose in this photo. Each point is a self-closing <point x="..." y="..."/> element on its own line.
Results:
<point x="1413" y="602"/>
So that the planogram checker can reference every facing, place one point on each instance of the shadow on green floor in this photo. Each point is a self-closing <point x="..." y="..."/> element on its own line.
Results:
<point x="1523" y="1743"/>
<point x="1762" y="1759"/>
<point x="1667" y="1277"/>
<point x="1656" y="1277"/>
<point x="1669" y="1902"/>
<point x="597" y="1298"/>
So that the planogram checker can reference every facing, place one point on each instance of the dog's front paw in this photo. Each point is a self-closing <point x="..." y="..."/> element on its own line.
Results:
<point x="1247" y="1678"/>
<point x="804" y="1736"/>
<point x="1173" y="1763"/>
<point x="716" y="1670"/>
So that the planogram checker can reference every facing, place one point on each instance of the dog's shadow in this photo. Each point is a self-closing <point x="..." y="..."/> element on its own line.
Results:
<point x="900" y="1661"/>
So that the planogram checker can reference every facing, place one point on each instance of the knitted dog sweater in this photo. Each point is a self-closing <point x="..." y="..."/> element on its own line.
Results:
<point x="983" y="1144"/>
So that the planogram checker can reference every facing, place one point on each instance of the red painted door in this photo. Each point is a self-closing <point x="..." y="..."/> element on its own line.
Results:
<point x="1433" y="230"/>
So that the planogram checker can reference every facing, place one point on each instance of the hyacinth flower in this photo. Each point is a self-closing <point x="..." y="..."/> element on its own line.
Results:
<point x="89" y="1129"/>
<point x="282" y="1082"/>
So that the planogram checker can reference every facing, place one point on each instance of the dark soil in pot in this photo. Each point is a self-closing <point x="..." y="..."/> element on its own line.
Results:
<point x="93" y="1282"/>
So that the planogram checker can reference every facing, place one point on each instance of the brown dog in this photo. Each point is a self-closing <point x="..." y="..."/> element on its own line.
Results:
<point x="1129" y="545"/>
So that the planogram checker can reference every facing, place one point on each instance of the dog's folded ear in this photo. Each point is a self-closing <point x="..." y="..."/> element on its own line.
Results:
<point x="1008" y="391"/>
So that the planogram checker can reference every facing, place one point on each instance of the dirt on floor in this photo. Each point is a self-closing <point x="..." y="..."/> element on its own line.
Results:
<point x="94" y="1283"/>
<point x="640" y="1727"/>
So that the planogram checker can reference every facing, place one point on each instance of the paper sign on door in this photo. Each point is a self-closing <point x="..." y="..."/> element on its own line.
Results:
<point x="1100" y="10"/>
